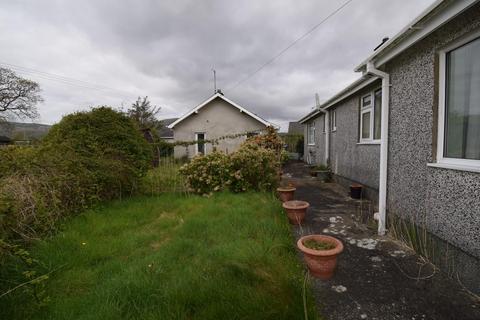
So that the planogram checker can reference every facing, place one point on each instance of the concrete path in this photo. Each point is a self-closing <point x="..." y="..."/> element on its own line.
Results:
<point x="376" y="278"/>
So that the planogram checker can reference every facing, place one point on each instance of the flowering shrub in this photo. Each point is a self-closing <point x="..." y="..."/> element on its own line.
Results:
<point x="252" y="167"/>
<point x="268" y="140"/>
<point x="206" y="174"/>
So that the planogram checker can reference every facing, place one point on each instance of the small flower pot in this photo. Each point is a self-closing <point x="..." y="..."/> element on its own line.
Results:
<point x="296" y="210"/>
<point x="320" y="263"/>
<point x="356" y="191"/>
<point x="286" y="193"/>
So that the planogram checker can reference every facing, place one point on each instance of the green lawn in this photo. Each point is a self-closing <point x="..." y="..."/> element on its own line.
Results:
<point x="231" y="256"/>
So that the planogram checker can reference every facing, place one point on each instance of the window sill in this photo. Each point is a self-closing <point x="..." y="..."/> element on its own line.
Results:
<point x="458" y="167"/>
<point x="311" y="144"/>
<point x="369" y="142"/>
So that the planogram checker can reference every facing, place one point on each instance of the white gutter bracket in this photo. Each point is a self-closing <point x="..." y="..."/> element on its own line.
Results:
<point x="382" y="197"/>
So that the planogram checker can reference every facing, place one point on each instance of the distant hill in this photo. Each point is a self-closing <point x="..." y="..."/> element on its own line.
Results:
<point x="35" y="131"/>
<point x="23" y="131"/>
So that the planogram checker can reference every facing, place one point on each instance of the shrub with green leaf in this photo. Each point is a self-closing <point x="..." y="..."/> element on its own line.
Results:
<point x="87" y="157"/>
<point x="209" y="173"/>
<point x="105" y="142"/>
<point x="254" y="167"/>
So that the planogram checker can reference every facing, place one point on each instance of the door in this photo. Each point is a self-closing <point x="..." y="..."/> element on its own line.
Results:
<point x="200" y="137"/>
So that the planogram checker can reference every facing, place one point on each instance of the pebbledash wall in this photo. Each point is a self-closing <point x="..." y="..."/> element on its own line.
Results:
<point x="446" y="201"/>
<point x="350" y="160"/>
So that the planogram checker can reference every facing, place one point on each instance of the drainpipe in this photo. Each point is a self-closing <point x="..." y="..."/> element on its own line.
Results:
<point x="382" y="197"/>
<point x="327" y="136"/>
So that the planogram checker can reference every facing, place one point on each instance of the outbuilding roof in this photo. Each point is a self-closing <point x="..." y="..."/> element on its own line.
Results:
<point x="221" y="96"/>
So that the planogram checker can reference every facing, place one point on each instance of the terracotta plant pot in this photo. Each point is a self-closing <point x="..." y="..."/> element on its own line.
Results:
<point x="296" y="210"/>
<point x="286" y="193"/>
<point x="356" y="191"/>
<point x="320" y="263"/>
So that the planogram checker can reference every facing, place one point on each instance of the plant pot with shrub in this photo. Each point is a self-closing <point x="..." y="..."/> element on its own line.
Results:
<point x="323" y="175"/>
<point x="320" y="254"/>
<point x="356" y="191"/>
<point x="296" y="210"/>
<point x="286" y="193"/>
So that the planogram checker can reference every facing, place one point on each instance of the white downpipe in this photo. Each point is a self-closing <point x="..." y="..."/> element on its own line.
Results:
<point x="327" y="136"/>
<point x="382" y="197"/>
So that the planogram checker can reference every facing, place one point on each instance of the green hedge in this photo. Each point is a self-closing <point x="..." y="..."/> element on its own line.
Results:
<point x="86" y="158"/>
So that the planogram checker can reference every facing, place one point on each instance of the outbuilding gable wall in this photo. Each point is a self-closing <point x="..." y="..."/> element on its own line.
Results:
<point x="216" y="119"/>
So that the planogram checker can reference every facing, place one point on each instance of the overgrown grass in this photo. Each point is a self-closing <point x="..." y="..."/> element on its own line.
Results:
<point x="165" y="178"/>
<point x="413" y="235"/>
<point x="230" y="256"/>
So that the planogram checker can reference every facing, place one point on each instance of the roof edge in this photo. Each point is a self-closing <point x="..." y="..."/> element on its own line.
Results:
<point x="351" y="89"/>
<point x="219" y="95"/>
<point x="416" y="31"/>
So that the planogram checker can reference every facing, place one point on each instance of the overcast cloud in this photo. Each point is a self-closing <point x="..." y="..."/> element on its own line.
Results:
<point x="166" y="49"/>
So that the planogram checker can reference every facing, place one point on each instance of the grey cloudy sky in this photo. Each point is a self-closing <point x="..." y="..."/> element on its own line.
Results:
<point x="166" y="49"/>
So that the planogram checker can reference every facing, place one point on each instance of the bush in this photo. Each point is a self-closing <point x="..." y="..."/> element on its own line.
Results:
<point x="87" y="157"/>
<point x="254" y="167"/>
<point x="105" y="142"/>
<point x="269" y="140"/>
<point x="209" y="173"/>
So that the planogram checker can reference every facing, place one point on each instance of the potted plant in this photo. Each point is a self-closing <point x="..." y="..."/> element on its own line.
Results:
<point x="320" y="253"/>
<point x="286" y="193"/>
<point x="323" y="173"/>
<point x="296" y="210"/>
<point x="356" y="191"/>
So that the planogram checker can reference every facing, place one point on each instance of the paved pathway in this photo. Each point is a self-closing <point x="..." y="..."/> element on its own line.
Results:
<point x="377" y="278"/>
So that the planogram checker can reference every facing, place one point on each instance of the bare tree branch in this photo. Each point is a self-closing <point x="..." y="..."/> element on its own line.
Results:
<point x="18" y="96"/>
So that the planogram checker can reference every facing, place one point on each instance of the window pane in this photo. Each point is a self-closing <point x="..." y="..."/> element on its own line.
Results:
<point x="366" y="101"/>
<point x="462" y="132"/>
<point x="366" y="125"/>
<point x="333" y="120"/>
<point x="311" y="133"/>
<point x="377" y="114"/>
<point x="200" y="143"/>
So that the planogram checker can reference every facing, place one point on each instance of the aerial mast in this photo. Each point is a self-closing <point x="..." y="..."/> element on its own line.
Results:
<point x="214" y="81"/>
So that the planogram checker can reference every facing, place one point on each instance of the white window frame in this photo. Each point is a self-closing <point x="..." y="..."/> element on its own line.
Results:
<point x="442" y="161"/>
<point x="310" y="125"/>
<point x="334" y="120"/>
<point x="204" y="144"/>
<point x="371" y="109"/>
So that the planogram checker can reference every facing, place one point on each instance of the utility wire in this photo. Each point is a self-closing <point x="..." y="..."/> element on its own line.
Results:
<point x="62" y="79"/>
<point x="291" y="45"/>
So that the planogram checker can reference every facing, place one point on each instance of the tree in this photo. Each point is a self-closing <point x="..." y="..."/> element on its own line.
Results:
<point x="144" y="114"/>
<point x="18" y="96"/>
